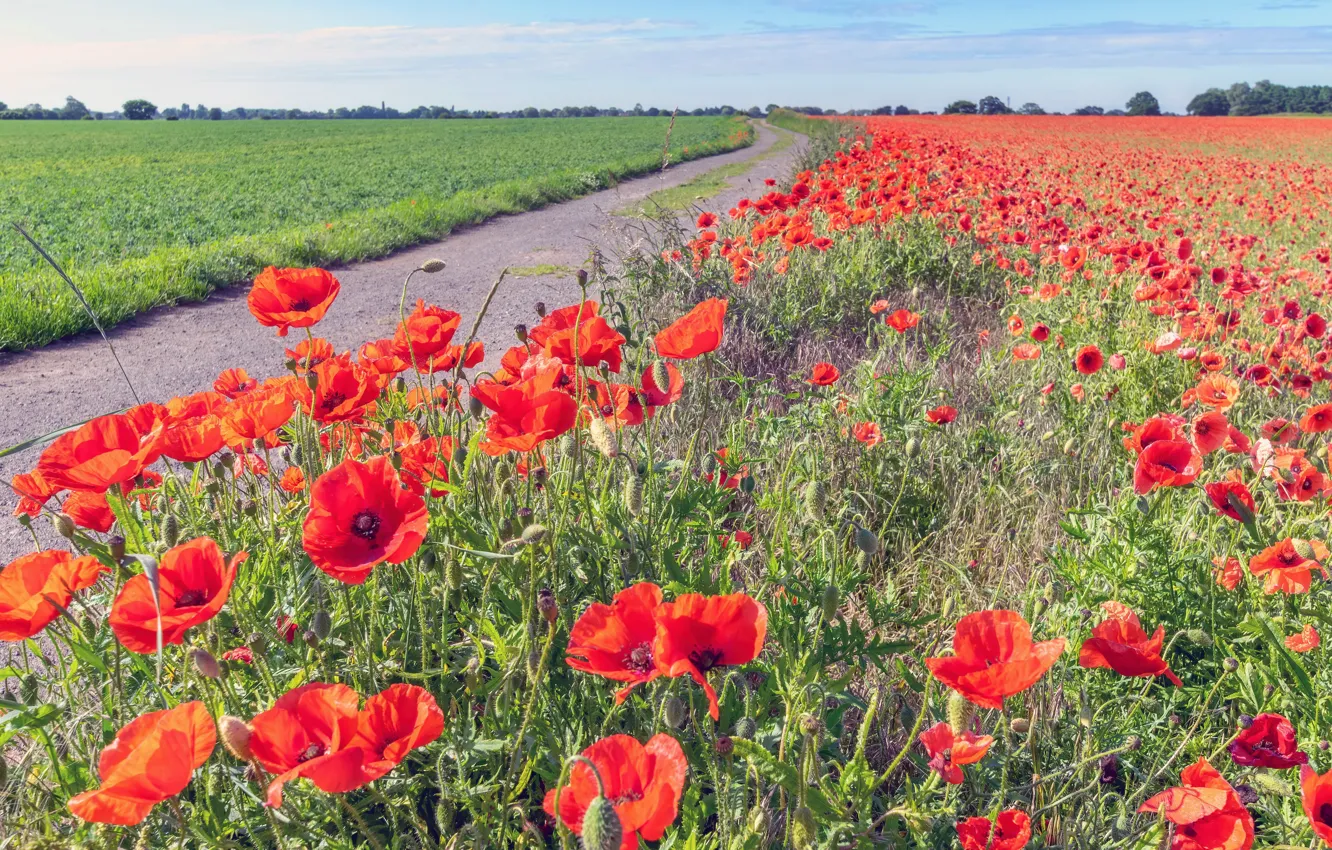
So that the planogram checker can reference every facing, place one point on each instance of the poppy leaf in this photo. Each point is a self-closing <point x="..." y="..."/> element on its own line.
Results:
<point x="521" y="784"/>
<point x="783" y="774"/>
<point x="489" y="556"/>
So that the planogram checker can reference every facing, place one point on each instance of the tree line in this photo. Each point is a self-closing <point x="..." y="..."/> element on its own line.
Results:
<point x="1262" y="98"/>
<point x="1142" y="103"/>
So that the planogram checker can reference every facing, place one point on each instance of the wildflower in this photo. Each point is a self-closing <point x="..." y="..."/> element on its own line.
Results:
<point x="1011" y="831"/>
<point x="1088" y="360"/>
<point x="1206" y="811"/>
<point x="949" y="750"/>
<point x="696" y="634"/>
<point x="1306" y="640"/>
<point x="425" y="332"/>
<point x="90" y="511"/>
<point x="994" y="658"/>
<point x="33" y="589"/>
<point x="1284" y="568"/>
<point x="867" y="433"/>
<point x="902" y="320"/>
<point x="616" y="641"/>
<point x="193" y="582"/>
<point x="102" y="453"/>
<point x="292" y="298"/>
<point x="293" y="480"/>
<point x="1316" y="797"/>
<point x="151" y="760"/>
<point x="597" y="343"/>
<point x="344" y="391"/>
<point x="941" y="415"/>
<point x="1230" y="498"/>
<point x="1166" y="463"/>
<point x="234" y="383"/>
<point x="1210" y="431"/>
<point x="824" y="374"/>
<point x="527" y="413"/>
<point x="1120" y="644"/>
<point x="697" y="332"/>
<point x="655" y="396"/>
<point x="1268" y="742"/>
<point x="359" y="517"/>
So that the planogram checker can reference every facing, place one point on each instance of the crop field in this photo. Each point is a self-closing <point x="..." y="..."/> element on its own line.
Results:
<point x="148" y="213"/>
<point x="968" y="489"/>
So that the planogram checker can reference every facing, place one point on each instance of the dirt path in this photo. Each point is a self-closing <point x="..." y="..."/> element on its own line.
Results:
<point x="181" y="350"/>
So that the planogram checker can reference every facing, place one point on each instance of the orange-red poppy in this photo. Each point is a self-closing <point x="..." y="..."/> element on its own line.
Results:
<point x="33" y="491"/>
<point x="563" y="319"/>
<point x="234" y="383"/>
<point x="361" y="516"/>
<point x="1205" y="810"/>
<point x="89" y="510"/>
<point x="697" y="332"/>
<point x="309" y="353"/>
<point x="949" y="751"/>
<point x="151" y="760"/>
<point x="824" y="374"/>
<point x="292" y="298"/>
<point x="868" y="433"/>
<point x="1089" y="360"/>
<point x="392" y="724"/>
<point x="33" y="589"/>
<point x="902" y="320"/>
<point x="293" y="479"/>
<point x="101" y="453"/>
<point x="527" y="413"/>
<point x="1166" y="463"/>
<point x="258" y="414"/>
<point x="696" y="634"/>
<point x="1284" y="569"/>
<point x="644" y="784"/>
<point x="1217" y="391"/>
<point x="1210" y="431"/>
<point x="194" y="581"/>
<point x="616" y="641"/>
<point x="1119" y="643"/>
<point x="942" y="415"/>
<point x="1230" y="498"/>
<point x="597" y="343"/>
<point x="1316" y="798"/>
<point x="427" y="331"/>
<point x="380" y="357"/>
<point x="654" y="396"/>
<point x="1012" y="831"/>
<point x="344" y="391"/>
<point x="1317" y="419"/>
<point x="994" y="658"/>
<point x="1269" y="741"/>
<point x="1306" y="639"/>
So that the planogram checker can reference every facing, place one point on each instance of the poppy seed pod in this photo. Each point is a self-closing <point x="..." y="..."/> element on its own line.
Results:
<point x="321" y="623"/>
<point x="311" y="639"/>
<point x="809" y="724"/>
<point x="759" y="820"/>
<point x="520" y="332"/>
<point x="745" y="728"/>
<point x="960" y="712"/>
<point x="816" y="500"/>
<point x="866" y="541"/>
<point x="602" y="829"/>
<point x="64" y="526"/>
<point x="312" y="380"/>
<point x="803" y="828"/>
<point x="724" y="745"/>
<point x="913" y="448"/>
<point x="235" y="735"/>
<point x="601" y="438"/>
<point x="1020" y="725"/>
<point x="673" y="712"/>
<point x="117" y="547"/>
<point x="832" y="599"/>
<point x="170" y="530"/>
<point x="453" y="574"/>
<point x="708" y="464"/>
<point x="633" y="495"/>
<point x="1230" y="664"/>
<point x="460" y="455"/>
<point x="206" y="664"/>
<point x="1304" y="549"/>
<point x="257" y="644"/>
<point x="581" y="277"/>
<point x="534" y="534"/>
<point x="432" y="266"/>
<point x="4" y="772"/>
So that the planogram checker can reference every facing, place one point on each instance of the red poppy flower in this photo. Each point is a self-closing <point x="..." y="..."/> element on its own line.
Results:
<point x="1206" y="811"/>
<point x="1306" y="640"/>
<point x="392" y="724"/>
<point x="425" y="333"/>
<point x="1026" y="351"/>
<point x="994" y="658"/>
<point x="293" y="479"/>
<point x="706" y="220"/>
<point x="309" y="353"/>
<point x="151" y="760"/>
<point x="309" y="733"/>
<point x="697" y="332"/>
<point x="941" y="415"/>
<point x="239" y="654"/>
<point x="1166" y="463"/>
<point x="344" y="391"/>
<point x="192" y="428"/>
<point x="1268" y="742"/>
<point x="32" y="586"/>
<point x="234" y="383"/>
<point x="1284" y="568"/>
<point x="563" y="319"/>
<point x="1040" y="332"/>
<point x="292" y="298"/>
<point x="359" y="517"/>
<point x="194" y="582"/>
<point x="824" y="374"/>
<point x="597" y="343"/>
<point x="1089" y="360"/>
<point x="258" y="414"/>
<point x="1210" y="431"/>
<point x="379" y="357"/>
<point x="1317" y="419"/>
<point x="1120" y="644"/>
<point x="654" y="396"/>
<point x="526" y="413"/>
<point x="101" y="453"/>
<point x="33" y="491"/>
<point x="902" y="320"/>
<point x="644" y="785"/>
<point x="949" y="751"/>
<point x="696" y="634"/>
<point x="1316" y="797"/>
<point x="1012" y="831"/>
<point x="90" y="511"/>
<point x="868" y="433"/>
<point x="1229" y="497"/>
<point x="616" y="641"/>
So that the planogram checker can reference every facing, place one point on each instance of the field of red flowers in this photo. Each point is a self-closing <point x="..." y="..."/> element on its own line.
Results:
<point x="969" y="490"/>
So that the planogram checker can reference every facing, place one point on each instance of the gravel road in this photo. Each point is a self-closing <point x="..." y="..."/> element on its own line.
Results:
<point x="180" y="350"/>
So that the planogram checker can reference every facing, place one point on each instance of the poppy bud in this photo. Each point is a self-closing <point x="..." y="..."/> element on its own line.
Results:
<point x="291" y="364"/>
<point x="506" y="527"/>
<point x="311" y="380"/>
<point x="723" y="745"/>
<point x="1069" y="444"/>
<point x="1174" y="720"/>
<point x="534" y="534"/>
<point x="601" y="826"/>
<point x="809" y="724"/>
<point x="117" y="546"/>
<point x="1246" y="517"/>
<point x="64" y="526"/>
<point x="866" y="541"/>
<point x="1230" y="664"/>
<point x="428" y="557"/>
<point x="912" y="448"/>
<point x="453" y="574"/>
<point x="395" y="459"/>
<point x="257" y="644"/>
<point x="759" y="820"/>
<point x="25" y="520"/>
<point x="472" y="674"/>
<point x="816" y="500"/>
<point x="460" y="455"/>
<point x="520" y="331"/>
<point x="1325" y="745"/>
<point x="28" y="688"/>
<point x="960" y="712"/>
<point x="235" y="735"/>
<point x="170" y="530"/>
<point x="1020" y="725"/>
<point x="1198" y="637"/>
<point x="747" y="484"/>
<point x="321" y="623"/>
<point x="1304" y="549"/>
<point x="633" y="495"/>
<point x="946" y="609"/>
<point x="540" y="308"/>
<point x="206" y="664"/>
<point x="538" y="476"/>
<point x="673" y="712"/>
<point x="745" y="728"/>
<point x="1132" y="743"/>
<point x="803" y="828"/>
<point x="400" y="384"/>
<point x="581" y="277"/>
<point x="1269" y="689"/>
<point x="601" y="437"/>
<point x="661" y="378"/>
<point x="832" y="598"/>
<point x="708" y="464"/>
<point x="432" y="266"/>
<point x="546" y="604"/>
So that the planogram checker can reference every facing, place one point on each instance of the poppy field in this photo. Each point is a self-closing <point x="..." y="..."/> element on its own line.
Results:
<point x="969" y="489"/>
<point x="150" y="213"/>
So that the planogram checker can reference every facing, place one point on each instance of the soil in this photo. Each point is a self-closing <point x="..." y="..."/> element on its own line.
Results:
<point x="181" y="349"/>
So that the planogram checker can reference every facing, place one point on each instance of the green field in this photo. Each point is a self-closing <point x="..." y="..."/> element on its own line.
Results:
<point x="149" y="213"/>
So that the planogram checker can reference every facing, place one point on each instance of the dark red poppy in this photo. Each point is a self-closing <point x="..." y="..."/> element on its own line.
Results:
<point x="1119" y="643"/>
<point x="1229" y="497"/>
<point x="361" y="516"/>
<point x="949" y="751"/>
<point x="994" y="658"/>
<point x="193" y="581"/>
<point x="32" y="586"/>
<point x="824" y="374"/>
<point x="1089" y="360"/>
<point x="615" y="641"/>
<point x="101" y="453"/>
<point x="696" y="634"/>
<point x="1166" y="463"/>
<point x="292" y="298"/>
<point x="151" y="760"/>
<point x="644" y="785"/>
<point x="1012" y="831"/>
<point x="697" y="332"/>
<point x="1268" y="742"/>
<point x="1316" y="797"/>
<point x="1206" y="811"/>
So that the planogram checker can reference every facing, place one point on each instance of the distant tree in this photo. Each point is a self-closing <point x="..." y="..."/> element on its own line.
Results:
<point x="1211" y="102"/>
<point x="185" y="111"/>
<point x="1143" y="103"/>
<point x="901" y="110"/>
<point x="200" y="113"/>
<point x="991" y="105"/>
<point x="882" y="110"/>
<point x="1031" y="109"/>
<point x="1089" y="110"/>
<point x="215" y="114"/>
<point x="653" y="111"/>
<point x="139" y="110"/>
<point x="960" y="107"/>
<point x="170" y="113"/>
<point x="74" y="109"/>
<point x="1118" y="113"/>
<point x="293" y="113"/>
<point x="754" y="112"/>
<point x="3" y="106"/>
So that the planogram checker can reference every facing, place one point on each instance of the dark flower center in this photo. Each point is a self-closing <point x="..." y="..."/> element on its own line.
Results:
<point x="365" y="525"/>
<point x="1325" y="814"/>
<point x="332" y="401"/>
<point x="311" y="752"/>
<point x="191" y="597"/>
<point x="639" y="659"/>
<point x="607" y="410"/>
<point x="705" y="659"/>
<point x="300" y="306"/>
<point x="626" y="797"/>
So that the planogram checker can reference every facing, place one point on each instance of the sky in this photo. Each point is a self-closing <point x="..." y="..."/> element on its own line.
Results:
<point x="510" y="54"/>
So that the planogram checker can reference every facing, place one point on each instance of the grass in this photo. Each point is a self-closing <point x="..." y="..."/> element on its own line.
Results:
<point x="539" y="270"/>
<point x="145" y="214"/>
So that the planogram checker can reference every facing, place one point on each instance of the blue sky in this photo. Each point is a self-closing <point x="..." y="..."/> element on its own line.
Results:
<point x="503" y="55"/>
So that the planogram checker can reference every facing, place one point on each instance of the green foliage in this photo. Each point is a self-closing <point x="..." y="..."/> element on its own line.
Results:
<point x="960" y="107"/>
<point x="139" y="110"/>
<point x="1143" y="103"/>
<point x="1209" y="103"/>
